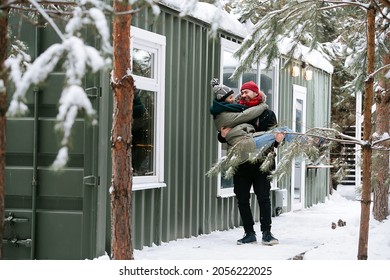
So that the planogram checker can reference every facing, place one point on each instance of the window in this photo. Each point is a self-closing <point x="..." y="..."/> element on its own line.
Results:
<point x="148" y="60"/>
<point x="298" y="166"/>
<point x="266" y="79"/>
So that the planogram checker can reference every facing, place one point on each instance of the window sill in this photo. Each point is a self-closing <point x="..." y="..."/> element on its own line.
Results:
<point x="230" y="193"/>
<point x="226" y="195"/>
<point x="319" y="166"/>
<point x="146" y="186"/>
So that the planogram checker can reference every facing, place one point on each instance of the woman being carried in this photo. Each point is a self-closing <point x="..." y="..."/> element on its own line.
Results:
<point x="243" y="142"/>
<point x="230" y="118"/>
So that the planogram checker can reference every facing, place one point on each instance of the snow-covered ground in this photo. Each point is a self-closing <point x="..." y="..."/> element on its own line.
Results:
<point x="308" y="231"/>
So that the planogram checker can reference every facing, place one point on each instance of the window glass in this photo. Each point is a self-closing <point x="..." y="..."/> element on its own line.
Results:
<point x="143" y="149"/>
<point x="229" y="64"/>
<point x="298" y="115"/>
<point x="267" y="85"/>
<point x="250" y="75"/>
<point x="143" y="63"/>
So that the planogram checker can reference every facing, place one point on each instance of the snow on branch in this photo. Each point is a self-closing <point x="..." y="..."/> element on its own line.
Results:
<point x="35" y="73"/>
<point x="102" y="27"/>
<point x="77" y="59"/>
<point x="314" y="145"/>
<point x="383" y="68"/>
<point x="2" y="86"/>
<point x="379" y="139"/>
<point x="343" y="3"/>
<point x="152" y="3"/>
<point x="47" y="17"/>
<point x="281" y="30"/>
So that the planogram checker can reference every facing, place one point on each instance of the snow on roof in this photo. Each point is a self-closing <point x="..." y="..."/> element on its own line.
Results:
<point x="228" y="22"/>
<point x="206" y="12"/>
<point x="303" y="53"/>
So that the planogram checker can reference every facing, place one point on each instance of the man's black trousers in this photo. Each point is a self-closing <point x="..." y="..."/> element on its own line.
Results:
<point x="249" y="174"/>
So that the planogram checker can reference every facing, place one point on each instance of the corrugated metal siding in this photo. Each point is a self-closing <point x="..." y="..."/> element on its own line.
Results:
<point x="188" y="206"/>
<point x="318" y="108"/>
<point x="318" y="181"/>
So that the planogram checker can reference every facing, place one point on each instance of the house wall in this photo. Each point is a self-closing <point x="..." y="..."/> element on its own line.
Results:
<point x="79" y="205"/>
<point x="318" y="115"/>
<point x="188" y="205"/>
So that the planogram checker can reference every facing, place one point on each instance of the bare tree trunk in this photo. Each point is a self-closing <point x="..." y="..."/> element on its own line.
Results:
<point x="121" y="183"/>
<point x="3" y="119"/>
<point x="381" y="191"/>
<point x="367" y="149"/>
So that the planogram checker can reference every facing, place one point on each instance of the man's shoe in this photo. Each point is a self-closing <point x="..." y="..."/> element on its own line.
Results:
<point x="269" y="239"/>
<point x="248" y="238"/>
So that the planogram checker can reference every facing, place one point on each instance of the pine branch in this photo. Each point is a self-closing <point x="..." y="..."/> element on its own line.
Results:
<point x="384" y="67"/>
<point x="227" y="165"/>
<point x="284" y="165"/>
<point x="343" y="3"/>
<point x="48" y="18"/>
<point x="75" y="57"/>
<point x="384" y="139"/>
<point x="381" y="149"/>
<point x="314" y="145"/>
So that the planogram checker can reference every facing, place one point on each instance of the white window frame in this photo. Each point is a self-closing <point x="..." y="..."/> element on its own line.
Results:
<point x="230" y="46"/>
<point x="156" y="44"/>
<point x="299" y="93"/>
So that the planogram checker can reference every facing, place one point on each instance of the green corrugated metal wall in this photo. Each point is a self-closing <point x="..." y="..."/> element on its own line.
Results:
<point x="188" y="206"/>
<point x="319" y="110"/>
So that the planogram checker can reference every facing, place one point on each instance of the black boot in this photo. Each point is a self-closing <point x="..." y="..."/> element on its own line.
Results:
<point x="248" y="238"/>
<point x="269" y="239"/>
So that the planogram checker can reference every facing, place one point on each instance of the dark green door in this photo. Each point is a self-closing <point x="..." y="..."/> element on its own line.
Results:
<point x="49" y="215"/>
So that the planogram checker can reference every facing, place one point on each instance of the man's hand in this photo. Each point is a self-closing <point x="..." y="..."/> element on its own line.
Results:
<point x="225" y="131"/>
<point x="279" y="136"/>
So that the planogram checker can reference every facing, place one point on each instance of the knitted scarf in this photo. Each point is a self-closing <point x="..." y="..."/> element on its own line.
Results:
<point x="253" y="102"/>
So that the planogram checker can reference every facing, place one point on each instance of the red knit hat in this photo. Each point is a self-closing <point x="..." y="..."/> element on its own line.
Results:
<point x="250" y="85"/>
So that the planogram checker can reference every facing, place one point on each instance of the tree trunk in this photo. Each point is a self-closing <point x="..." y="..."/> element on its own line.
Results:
<point x="381" y="191"/>
<point x="367" y="149"/>
<point x="121" y="183"/>
<point x="3" y="119"/>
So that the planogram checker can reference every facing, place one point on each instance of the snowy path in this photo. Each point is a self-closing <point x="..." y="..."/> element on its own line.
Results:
<point x="308" y="231"/>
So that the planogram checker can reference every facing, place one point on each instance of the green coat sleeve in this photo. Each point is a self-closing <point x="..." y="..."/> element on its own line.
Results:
<point x="230" y="119"/>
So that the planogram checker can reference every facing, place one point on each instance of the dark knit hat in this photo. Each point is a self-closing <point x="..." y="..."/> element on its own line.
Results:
<point x="250" y="85"/>
<point x="221" y="91"/>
